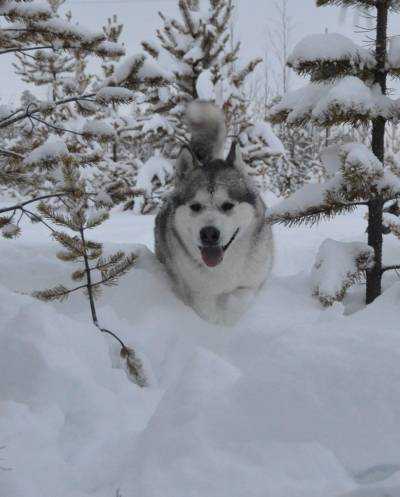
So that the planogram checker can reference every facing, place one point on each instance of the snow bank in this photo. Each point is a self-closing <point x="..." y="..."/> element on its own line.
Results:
<point x="293" y="401"/>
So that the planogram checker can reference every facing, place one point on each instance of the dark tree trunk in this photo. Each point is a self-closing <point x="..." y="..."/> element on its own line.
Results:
<point x="115" y="151"/>
<point x="375" y="205"/>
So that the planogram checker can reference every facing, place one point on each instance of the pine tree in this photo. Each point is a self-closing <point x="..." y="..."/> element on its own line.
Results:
<point x="348" y="86"/>
<point x="201" y="60"/>
<point x="79" y="212"/>
<point x="203" y="65"/>
<point x="70" y="203"/>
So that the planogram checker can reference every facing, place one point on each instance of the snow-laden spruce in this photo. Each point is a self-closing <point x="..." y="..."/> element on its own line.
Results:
<point x="348" y="86"/>
<point x="203" y="62"/>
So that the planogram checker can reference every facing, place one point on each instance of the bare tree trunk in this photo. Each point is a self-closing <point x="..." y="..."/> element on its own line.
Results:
<point x="115" y="151"/>
<point x="375" y="205"/>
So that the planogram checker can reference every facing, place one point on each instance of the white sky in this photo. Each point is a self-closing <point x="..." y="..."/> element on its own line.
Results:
<point x="140" y="20"/>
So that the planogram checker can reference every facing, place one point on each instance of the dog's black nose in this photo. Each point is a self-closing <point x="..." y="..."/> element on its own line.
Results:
<point x="209" y="235"/>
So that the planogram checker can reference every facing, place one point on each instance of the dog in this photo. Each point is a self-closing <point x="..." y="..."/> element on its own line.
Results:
<point x="211" y="232"/>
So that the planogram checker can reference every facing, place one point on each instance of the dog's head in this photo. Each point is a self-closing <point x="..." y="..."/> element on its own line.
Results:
<point x="215" y="205"/>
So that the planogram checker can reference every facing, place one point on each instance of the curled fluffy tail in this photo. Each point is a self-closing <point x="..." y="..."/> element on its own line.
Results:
<point x="207" y="126"/>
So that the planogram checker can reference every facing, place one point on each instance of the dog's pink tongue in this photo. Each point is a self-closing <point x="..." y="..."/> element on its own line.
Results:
<point x="212" y="256"/>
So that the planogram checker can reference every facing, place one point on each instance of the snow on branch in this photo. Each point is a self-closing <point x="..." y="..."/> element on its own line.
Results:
<point x="330" y="55"/>
<point x="115" y="95"/>
<point x="109" y="49"/>
<point x="349" y="100"/>
<point x="356" y="174"/>
<point x="338" y="266"/>
<point x="259" y="142"/>
<point x="98" y="130"/>
<point x="393" y="4"/>
<point x="392" y="221"/>
<point x="137" y="69"/>
<point x="155" y="167"/>
<point x="67" y="31"/>
<point x="25" y="11"/>
<point x="46" y="155"/>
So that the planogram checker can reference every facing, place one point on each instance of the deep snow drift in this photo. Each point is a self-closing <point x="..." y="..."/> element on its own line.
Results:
<point x="295" y="401"/>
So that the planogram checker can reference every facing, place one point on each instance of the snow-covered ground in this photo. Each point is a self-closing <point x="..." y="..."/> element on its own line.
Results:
<point x="295" y="401"/>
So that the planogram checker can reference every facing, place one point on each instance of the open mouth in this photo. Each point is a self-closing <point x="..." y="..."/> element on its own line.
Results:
<point x="213" y="255"/>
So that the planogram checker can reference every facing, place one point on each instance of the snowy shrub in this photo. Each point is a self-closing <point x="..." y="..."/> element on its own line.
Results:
<point x="337" y="267"/>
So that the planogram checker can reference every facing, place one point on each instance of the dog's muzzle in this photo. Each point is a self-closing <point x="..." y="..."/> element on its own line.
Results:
<point x="213" y="255"/>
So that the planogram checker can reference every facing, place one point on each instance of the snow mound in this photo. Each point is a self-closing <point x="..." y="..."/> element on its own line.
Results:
<point x="292" y="401"/>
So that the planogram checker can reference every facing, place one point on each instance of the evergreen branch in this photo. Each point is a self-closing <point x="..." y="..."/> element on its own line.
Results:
<point x="11" y="153"/>
<point x="27" y="202"/>
<point x="53" y="126"/>
<point x="31" y="214"/>
<point x="25" y="49"/>
<point x="312" y="215"/>
<point x="28" y="113"/>
<point x="390" y="268"/>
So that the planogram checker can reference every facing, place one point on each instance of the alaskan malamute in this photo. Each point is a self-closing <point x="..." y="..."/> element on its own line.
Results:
<point x="211" y="233"/>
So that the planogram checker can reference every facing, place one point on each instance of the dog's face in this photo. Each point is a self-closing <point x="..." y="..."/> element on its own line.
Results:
<point x="214" y="206"/>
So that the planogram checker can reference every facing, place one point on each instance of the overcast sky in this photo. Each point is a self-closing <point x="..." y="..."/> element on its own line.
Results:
<point x="140" y="20"/>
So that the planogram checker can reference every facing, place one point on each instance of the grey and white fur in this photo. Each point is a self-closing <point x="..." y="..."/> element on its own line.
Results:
<point x="211" y="233"/>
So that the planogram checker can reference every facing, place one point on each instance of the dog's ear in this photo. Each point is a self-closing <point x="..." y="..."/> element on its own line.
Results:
<point x="185" y="163"/>
<point x="234" y="157"/>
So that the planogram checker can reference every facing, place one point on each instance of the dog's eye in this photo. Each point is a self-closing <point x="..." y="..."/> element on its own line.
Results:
<point x="227" y="206"/>
<point x="196" y="207"/>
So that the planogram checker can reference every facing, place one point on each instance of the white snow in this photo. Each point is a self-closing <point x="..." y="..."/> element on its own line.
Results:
<point x="394" y="52"/>
<point x="205" y="86"/>
<point x="293" y="401"/>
